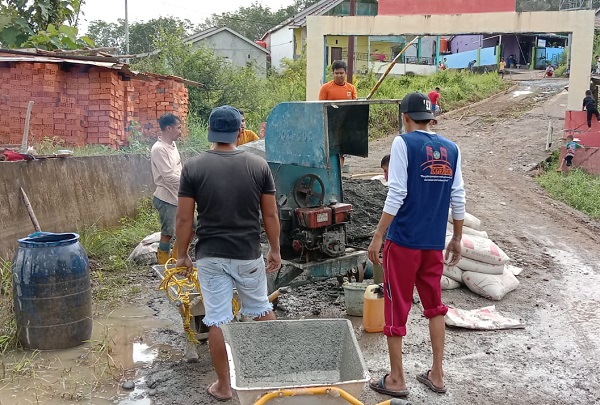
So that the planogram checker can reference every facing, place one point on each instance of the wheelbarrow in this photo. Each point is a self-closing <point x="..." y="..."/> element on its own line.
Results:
<point x="294" y="361"/>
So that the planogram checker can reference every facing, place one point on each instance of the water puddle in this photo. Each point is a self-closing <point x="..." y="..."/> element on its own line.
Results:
<point x="93" y="372"/>
<point x="518" y="93"/>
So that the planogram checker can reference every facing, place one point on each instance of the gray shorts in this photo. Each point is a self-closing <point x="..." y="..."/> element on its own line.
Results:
<point x="218" y="276"/>
<point x="166" y="214"/>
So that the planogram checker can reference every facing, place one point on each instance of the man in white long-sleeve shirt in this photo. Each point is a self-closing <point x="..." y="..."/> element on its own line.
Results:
<point x="166" y="171"/>
<point x="424" y="179"/>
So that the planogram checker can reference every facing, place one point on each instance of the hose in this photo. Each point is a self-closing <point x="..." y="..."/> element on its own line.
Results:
<point x="184" y="286"/>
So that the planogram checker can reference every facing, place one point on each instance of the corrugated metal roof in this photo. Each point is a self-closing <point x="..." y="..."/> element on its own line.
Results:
<point x="320" y="8"/>
<point x="299" y="20"/>
<point x="109" y="63"/>
<point x="199" y="36"/>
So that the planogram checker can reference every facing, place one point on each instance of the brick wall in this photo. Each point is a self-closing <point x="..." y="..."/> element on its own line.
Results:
<point x="82" y="104"/>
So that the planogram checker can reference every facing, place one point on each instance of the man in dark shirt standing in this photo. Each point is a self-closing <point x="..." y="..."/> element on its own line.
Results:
<point x="229" y="187"/>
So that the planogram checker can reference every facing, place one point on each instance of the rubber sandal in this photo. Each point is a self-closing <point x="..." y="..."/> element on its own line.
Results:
<point x="379" y="386"/>
<point x="424" y="378"/>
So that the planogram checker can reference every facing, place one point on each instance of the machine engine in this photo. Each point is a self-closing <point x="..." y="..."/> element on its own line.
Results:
<point x="316" y="231"/>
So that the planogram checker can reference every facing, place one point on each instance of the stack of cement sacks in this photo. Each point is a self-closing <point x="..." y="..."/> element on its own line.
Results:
<point x="484" y="267"/>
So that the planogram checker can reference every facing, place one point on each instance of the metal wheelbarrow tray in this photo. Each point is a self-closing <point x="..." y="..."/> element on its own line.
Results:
<point x="294" y="354"/>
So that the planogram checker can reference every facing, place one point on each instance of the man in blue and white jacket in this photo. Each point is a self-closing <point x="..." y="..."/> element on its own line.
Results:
<point x="425" y="179"/>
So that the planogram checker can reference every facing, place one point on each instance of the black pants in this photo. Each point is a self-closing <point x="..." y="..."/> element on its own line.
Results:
<point x="590" y="112"/>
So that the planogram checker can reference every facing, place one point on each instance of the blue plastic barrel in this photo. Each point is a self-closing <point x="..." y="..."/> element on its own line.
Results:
<point x="52" y="291"/>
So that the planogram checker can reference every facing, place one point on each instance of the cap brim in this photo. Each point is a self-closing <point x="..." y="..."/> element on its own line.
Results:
<point x="223" y="137"/>
<point x="420" y="116"/>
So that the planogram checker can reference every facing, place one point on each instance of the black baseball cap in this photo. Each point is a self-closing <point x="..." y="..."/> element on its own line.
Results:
<point x="417" y="106"/>
<point x="224" y="124"/>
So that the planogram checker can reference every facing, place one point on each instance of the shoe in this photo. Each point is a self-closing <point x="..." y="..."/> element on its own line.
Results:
<point x="379" y="386"/>
<point x="162" y="257"/>
<point x="424" y="378"/>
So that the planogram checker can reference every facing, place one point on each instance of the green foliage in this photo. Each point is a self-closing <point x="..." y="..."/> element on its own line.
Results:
<point x="255" y="20"/>
<point x="44" y="24"/>
<point x="109" y="248"/>
<point x="142" y="35"/>
<point x="577" y="189"/>
<point x="457" y="90"/>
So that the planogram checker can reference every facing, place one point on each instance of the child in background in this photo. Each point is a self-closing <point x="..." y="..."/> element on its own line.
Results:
<point x="571" y="147"/>
<point x="385" y="164"/>
<point x="589" y="104"/>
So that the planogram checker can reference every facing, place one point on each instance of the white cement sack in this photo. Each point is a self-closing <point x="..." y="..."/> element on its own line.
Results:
<point x="454" y="273"/>
<point x="471" y="221"/>
<point x="490" y="286"/>
<point x="482" y="250"/>
<point x="467" y="264"/>
<point x="145" y="252"/>
<point x="448" y="284"/>
<point x="514" y="269"/>
<point x="467" y="231"/>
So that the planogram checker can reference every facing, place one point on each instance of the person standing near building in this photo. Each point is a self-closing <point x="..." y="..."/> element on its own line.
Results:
<point x="434" y="96"/>
<point x="338" y="88"/>
<point x="230" y="187"/>
<point x="502" y="68"/>
<point x="166" y="170"/>
<point x="424" y="180"/>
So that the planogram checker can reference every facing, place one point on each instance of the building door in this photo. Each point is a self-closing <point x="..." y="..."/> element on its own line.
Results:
<point x="336" y="53"/>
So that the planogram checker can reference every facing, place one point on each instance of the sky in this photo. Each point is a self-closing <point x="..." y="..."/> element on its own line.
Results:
<point x="143" y="10"/>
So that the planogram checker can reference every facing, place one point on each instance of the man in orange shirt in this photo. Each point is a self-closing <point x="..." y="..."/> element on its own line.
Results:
<point x="338" y="88"/>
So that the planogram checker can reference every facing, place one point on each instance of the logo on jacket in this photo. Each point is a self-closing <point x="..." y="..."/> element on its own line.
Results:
<point x="437" y="163"/>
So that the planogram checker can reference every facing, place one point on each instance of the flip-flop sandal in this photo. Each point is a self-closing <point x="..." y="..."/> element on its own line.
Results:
<point x="379" y="386"/>
<point x="215" y="396"/>
<point x="424" y="378"/>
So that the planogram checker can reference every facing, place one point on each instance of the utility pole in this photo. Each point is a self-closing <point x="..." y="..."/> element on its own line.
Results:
<point x="126" y="32"/>
<point x="351" y="45"/>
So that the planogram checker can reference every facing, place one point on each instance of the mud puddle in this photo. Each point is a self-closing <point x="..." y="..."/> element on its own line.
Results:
<point x="93" y="372"/>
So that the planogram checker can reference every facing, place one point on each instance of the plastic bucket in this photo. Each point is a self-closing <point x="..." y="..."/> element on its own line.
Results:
<point x="354" y="295"/>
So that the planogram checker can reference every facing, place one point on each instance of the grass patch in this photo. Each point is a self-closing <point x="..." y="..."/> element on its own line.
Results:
<point x="8" y="325"/>
<point x="458" y="89"/>
<point x="576" y="189"/>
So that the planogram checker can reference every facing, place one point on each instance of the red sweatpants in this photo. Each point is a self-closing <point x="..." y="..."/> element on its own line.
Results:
<point x="405" y="268"/>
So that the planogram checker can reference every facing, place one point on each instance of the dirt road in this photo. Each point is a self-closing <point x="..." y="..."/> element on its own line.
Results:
<point x="554" y="360"/>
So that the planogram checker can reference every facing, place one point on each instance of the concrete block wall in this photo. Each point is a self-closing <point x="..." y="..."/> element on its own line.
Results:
<point x="82" y="104"/>
<point x="68" y="194"/>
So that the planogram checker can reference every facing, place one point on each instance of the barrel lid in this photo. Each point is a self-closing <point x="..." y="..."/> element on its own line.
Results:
<point x="48" y="239"/>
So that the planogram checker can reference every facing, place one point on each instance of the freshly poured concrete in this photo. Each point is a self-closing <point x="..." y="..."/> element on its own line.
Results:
<point x="296" y="353"/>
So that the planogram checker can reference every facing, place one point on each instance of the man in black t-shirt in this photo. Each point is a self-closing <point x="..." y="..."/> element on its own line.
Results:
<point x="589" y="104"/>
<point x="229" y="187"/>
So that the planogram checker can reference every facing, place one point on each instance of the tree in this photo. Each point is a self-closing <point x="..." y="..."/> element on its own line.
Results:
<point x="48" y="24"/>
<point x="142" y="35"/>
<point x="255" y="20"/>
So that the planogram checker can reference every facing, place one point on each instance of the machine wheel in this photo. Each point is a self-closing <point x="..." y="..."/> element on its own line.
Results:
<point x="305" y="194"/>
<point x="357" y="274"/>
